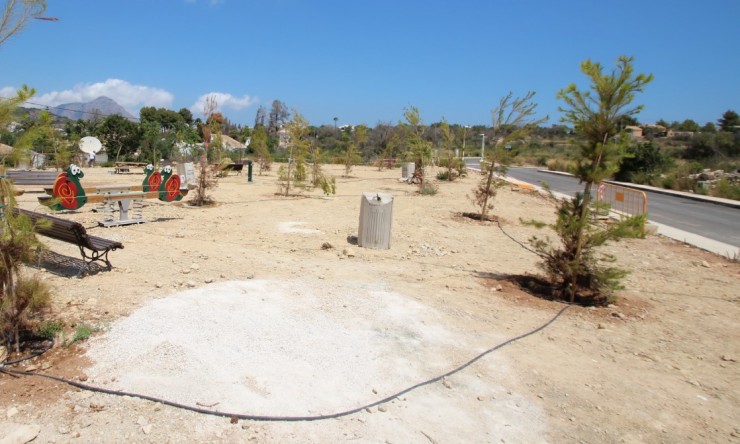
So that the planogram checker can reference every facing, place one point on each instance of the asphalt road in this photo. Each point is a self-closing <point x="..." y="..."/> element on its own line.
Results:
<point x="710" y="220"/>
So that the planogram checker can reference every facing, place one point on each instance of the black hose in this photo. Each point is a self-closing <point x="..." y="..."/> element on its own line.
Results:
<point x="287" y="418"/>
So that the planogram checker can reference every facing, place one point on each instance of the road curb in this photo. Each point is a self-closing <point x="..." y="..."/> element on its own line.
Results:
<point x="692" y="196"/>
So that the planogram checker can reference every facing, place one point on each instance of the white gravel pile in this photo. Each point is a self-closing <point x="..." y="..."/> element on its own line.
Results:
<point x="276" y="348"/>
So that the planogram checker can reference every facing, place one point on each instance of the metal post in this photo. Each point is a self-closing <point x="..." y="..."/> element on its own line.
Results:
<point x="483" y="147"/>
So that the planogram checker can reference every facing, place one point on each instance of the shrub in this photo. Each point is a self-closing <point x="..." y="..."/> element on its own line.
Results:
<point x="428" y="189"/>
<point x="727" y="190"/>
<point x="82" y="333"/>
<point x="50" y="329"/>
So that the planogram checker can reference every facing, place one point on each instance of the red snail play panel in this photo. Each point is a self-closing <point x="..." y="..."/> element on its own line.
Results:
<point x="68" y="193"/>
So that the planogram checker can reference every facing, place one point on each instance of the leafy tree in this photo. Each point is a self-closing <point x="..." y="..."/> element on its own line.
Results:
<point x="261" y="117"/>
<point x="455" y="166"/>
<point x="318" y="178"/>
<point x="512" y="119"/>
<point x="206" y="181"/>
<point x="17" y="14"/>
<point x="688" y="125"/>
<point x="298" y="147"/>
<point x="119" y="135"/>
<point x="626" y="121"/>
<point x="417" y="149"/>
<point x="259" y="147"/>
<point x="279" y="115"/>
<point x="729" y="122"/>
<point x="573" y="267"/>
<point x="352" y="156"/>
<point x="642" y="163"/>
<point x="19" y="295"/>
<point x="187" y="116"/>
<point x="709" y="128"/>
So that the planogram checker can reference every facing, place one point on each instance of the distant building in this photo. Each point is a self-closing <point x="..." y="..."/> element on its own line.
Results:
<point x="231" y="144"/>
<point x="635" y="131"/>
<point x="681" y="134"/>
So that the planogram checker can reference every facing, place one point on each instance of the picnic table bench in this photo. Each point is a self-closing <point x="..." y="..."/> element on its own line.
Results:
<point x="32" y="177"/>
<point x="74" y="233"/>
<point x="125" y="167"/>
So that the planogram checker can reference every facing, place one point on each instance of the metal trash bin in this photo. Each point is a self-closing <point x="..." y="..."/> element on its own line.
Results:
<point x="407" y="170"/>
<point x="376" y="217"/>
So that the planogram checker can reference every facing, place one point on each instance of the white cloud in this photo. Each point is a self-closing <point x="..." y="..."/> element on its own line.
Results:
<point x="7" y="92"/>
<point x="224" y="101"/>
<point x="131" y="97"/>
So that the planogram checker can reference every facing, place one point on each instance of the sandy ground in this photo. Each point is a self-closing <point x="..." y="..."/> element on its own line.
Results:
<point x="238" y="308"/>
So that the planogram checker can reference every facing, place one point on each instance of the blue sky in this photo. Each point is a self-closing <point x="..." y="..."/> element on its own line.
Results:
<point x="363" y="61"/>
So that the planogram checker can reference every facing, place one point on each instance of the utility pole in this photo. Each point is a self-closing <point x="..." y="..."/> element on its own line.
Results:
<point x="464" y="129"/>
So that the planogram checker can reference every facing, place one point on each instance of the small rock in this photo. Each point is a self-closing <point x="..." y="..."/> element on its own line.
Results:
<point x="705" y="264"/>
<point x="194" y="267"/>
<point x="446" y="383"/>
<point x="63" y="430"/>
<point x="728" y="358"/>
<point x="11" y="412"/>
<point x="601" y="326"/>
<point x="209" y="280"/>
<point x="369" y="410"/>
<point x="147" y="429"/>
<point x="141" y="421"/>
<point x="158" y="285"/>
<point x="23" y="433"/>
<point x="481" y="398"/>
<point x="348" y="252"/>
<point x="190" y="284"/>
<point x="326" y="246"/>
<point x="618" y="315"/>
<point x="383" y="409"/>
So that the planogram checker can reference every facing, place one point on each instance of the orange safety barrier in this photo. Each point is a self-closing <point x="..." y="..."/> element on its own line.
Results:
<point x="622" y="199"/>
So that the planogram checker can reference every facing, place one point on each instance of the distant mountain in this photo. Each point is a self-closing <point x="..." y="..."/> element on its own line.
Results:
<point x="100" y="107"/>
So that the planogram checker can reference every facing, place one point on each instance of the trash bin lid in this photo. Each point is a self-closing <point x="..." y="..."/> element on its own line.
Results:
<point x="374" y="198"/>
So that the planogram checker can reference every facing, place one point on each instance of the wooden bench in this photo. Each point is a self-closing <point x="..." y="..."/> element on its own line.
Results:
<point x="32" y="177"/>
<point x="74" y="233"/>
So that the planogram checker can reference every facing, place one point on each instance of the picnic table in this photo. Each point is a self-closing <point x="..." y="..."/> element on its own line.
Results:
<point x="125" y="167"/>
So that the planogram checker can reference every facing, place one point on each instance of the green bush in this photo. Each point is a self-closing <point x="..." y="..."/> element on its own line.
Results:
<point x="82" y="333"/>
<point x="50" y="329"/>
<point x="428" y="189"/>
<point x="727" y="190"/>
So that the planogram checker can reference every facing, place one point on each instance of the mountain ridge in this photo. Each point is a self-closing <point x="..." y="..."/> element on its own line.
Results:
<point x="100" y="107"/>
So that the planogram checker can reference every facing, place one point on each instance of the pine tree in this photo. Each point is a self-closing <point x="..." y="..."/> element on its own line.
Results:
<point x="574" y="267"/>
